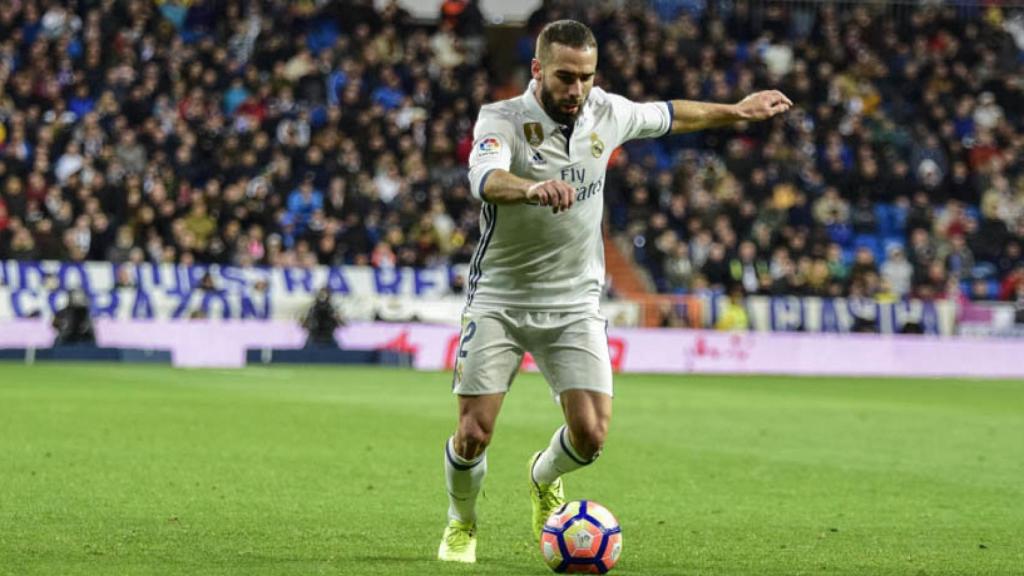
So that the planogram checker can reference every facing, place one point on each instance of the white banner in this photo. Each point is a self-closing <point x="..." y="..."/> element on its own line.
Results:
<point x="838" y="315"/>
<point x="159" y="292"/>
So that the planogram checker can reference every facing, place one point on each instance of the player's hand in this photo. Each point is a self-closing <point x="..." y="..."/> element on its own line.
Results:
<point x="555" y="193"/>
<point x="764" y="105"/>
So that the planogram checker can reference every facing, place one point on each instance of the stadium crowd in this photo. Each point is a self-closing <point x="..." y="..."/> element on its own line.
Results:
<point x="301" y="133"/>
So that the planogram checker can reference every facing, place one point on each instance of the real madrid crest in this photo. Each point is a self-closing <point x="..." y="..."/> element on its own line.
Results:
<point x="534" y="133"/>
<point x="596" y="145"/>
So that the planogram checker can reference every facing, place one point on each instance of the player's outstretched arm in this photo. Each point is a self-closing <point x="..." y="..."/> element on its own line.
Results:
<point x="690" y="116"/>
<point x="503" y="187"/>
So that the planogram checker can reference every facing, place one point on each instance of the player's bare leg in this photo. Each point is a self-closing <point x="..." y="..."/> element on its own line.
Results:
<point x="465" y="465"/>
<point x="573" y="446"/>
<point x="587" y="414"/>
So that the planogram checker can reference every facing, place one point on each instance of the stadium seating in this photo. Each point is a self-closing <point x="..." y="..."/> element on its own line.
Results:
<point x="189" y="136"/>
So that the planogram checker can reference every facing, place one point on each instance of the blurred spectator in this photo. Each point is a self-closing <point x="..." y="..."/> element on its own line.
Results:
<point x="831" y="209"/>
<point x="897" y="271"/>
<point x="863" y="264"/>
<point x="746" y="268"/>
<point x="321" y="320"/>
<point x="5" y="219"/>
<point x="716" y="268"/>
<point x="1010" y="258"/>
<point x="73" y="322"/>
<point x="1012" y="282"/>
<point x="959" y="258"/>
<point x="862" y="217"/>
<point x="199" y="225"/>
<point x="23" y="246"/>
<point x="303" y="202"/>
<point x="1019" y="304"/>
<point x="988" y="114"/>
<point x="734" y="313"/>
<point x="679" y="268"/>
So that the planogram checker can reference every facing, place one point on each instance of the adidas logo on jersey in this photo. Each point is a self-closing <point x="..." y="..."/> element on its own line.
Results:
<point x="537" y="159"/>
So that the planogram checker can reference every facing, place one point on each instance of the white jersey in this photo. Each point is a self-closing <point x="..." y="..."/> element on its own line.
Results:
<point x="528" y="257"/>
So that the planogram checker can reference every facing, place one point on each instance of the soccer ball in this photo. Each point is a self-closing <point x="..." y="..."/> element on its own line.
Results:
<point x="581" y="537"/>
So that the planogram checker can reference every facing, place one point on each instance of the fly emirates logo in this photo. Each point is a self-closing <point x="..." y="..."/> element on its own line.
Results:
<point x="577" y="176"/>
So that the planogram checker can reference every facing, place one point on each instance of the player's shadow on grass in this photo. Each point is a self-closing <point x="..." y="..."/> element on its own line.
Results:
<point x="503" y="567"/>
<point x="434" y="566"/>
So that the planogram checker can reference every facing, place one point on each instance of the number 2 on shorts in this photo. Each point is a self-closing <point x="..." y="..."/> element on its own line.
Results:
<point x="467" y="335"/>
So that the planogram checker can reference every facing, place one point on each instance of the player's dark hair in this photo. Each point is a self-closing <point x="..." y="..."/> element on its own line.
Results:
<point x="565" y="32"/>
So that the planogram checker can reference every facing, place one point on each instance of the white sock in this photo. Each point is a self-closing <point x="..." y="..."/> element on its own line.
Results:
<point x="464" y="479"/>
<point x="558" y="458"/>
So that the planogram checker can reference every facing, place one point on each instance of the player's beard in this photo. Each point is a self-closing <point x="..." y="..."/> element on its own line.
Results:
<point x="554" y="107"/>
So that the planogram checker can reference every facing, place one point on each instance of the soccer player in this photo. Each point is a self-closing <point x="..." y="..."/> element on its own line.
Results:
<point x="538" y="164"/>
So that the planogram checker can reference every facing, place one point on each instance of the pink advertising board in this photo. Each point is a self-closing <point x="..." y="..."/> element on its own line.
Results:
<point x="223" y="344"/>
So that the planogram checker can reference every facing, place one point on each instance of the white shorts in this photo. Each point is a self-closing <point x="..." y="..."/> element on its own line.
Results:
<point x="571" y="350"/>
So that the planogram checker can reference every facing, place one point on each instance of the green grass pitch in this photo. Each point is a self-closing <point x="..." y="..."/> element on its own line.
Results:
<point x="150" y="470"/>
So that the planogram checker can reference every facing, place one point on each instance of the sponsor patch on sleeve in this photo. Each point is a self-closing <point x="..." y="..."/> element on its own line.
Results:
<point x="488" y="145"/>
